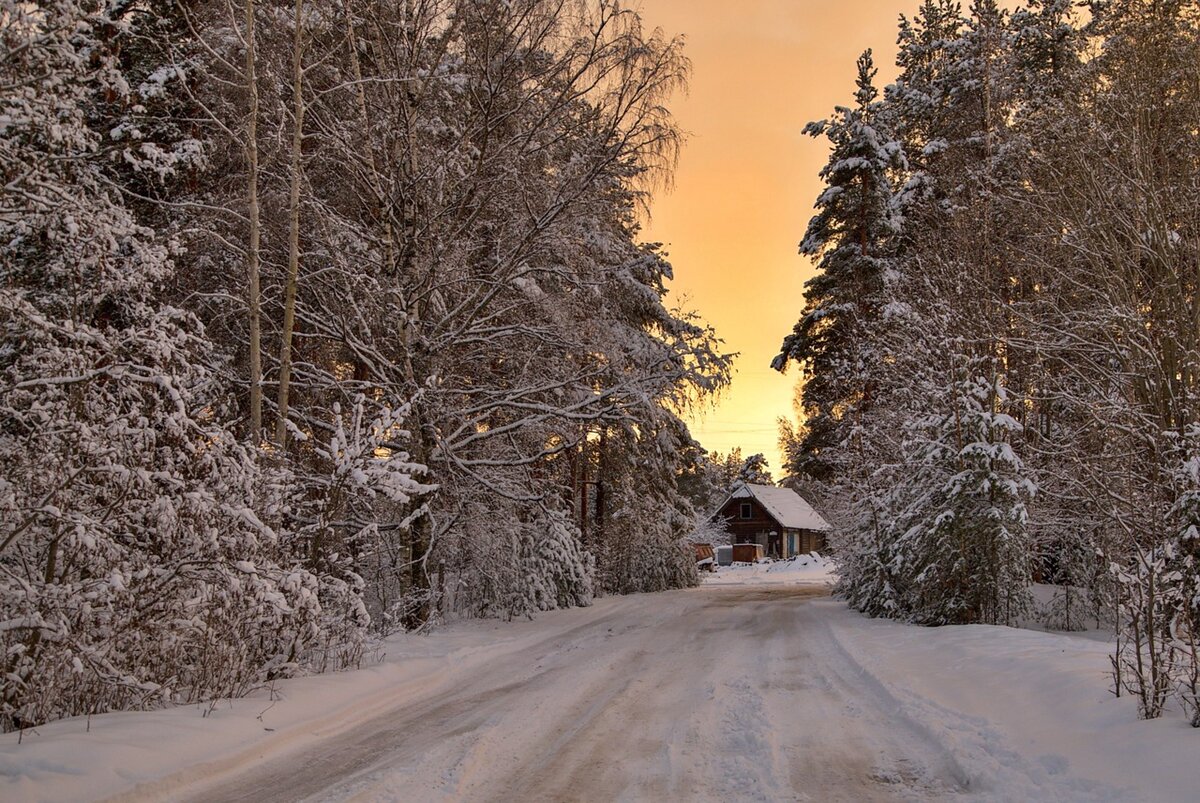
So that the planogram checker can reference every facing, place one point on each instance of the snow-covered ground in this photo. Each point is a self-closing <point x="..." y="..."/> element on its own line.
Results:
<point x="755" y="686"/>
<point x="801" y="570"/>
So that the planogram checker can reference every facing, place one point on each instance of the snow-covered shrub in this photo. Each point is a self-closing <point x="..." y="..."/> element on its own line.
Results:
<point x="136" y="565"/>
<point x="707" y="530"/>
<point x="1142" y="660"/>
<point x="551" y="569"/>
<point x="1069" y="610"/>
<point x="961" y="546"/>
<point x="1185" y="625"/>
<point x="1074" y="568"/>
<point x="353" y="498"/>
<point x="513" y="558"/>
<point x="1158" y="648"/>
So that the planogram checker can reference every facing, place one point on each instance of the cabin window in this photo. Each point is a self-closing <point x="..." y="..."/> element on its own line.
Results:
<point x="746" y="512"/>
<point x="791" y="543"/>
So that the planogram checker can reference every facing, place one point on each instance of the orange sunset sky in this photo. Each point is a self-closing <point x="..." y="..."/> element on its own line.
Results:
<point x="747" y="177"/>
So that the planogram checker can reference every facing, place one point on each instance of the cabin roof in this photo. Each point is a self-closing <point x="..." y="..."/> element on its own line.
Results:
<point x="783" y="504"/>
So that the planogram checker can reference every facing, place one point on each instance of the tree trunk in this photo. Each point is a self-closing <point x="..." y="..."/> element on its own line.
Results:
<point x="601" y="500"/>
<point x="252" y="254"/>
<point x="289" y="297"/>
<point x="420" y="542"/>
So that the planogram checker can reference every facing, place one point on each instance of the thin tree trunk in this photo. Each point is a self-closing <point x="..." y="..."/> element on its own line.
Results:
<point x="421" y="532"/>
<point x="252" y="255"/>
<point x="289" y="293"/>
<point x="360" y="96"/>
<point x="601" y="497"/>
<point x="420" y="541"/>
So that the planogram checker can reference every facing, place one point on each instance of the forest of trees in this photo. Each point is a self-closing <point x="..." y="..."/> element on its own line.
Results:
<point x="1000" y="353"/>
<point x="318" y="319"/>
<point x="321" y="319"/>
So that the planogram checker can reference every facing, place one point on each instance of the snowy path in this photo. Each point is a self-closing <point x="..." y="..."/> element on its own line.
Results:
<point x="755" y="686"/>
<point x="717" y="694"/>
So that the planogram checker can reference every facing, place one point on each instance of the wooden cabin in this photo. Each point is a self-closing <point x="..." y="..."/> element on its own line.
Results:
<point x="778" y="519"/>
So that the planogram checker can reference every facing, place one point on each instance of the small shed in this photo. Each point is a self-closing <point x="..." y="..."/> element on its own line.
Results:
<point x="747" y="553"/>
<point x="778" y="519"/>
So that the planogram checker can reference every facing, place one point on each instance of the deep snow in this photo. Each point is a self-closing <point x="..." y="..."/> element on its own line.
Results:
<point x="753" y="687"/>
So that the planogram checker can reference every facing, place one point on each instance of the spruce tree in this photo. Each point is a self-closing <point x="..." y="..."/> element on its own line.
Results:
<point x="961" y="544"/>
<point x="850" y="236"/>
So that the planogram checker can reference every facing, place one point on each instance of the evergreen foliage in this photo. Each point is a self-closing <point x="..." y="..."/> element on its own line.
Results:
<point x="850" y="235"/>
<point x="1015" y="396"/>
<point x="962" y="549"/>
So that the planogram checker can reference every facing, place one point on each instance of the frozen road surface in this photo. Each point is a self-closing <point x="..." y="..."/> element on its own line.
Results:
<point x="725" y="693"/>
<point x="754" y="687"/>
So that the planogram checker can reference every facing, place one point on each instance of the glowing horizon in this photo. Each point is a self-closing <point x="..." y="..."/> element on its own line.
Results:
<point x="747" y="178"/>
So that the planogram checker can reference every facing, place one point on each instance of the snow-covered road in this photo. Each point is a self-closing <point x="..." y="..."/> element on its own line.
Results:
<point x="752" y="687"/>
<point x="726" y="693"/>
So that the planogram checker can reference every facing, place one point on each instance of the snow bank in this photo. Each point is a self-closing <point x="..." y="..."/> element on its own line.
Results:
<point x="801" y="570"/>
<point x="157" y="755"/>
<point x="73" y="760"/>
<point x="1026" y="715"/>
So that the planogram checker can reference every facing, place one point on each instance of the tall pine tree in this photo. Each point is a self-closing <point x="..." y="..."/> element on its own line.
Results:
<point x="850" y="236"/>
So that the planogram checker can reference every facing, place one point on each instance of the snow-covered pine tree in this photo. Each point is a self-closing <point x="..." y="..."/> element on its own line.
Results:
<point x="850" y="236"/>
<point x="962" y="551"/>
<point x="840" y="340"/>
<point x="920" y="99"/>
<point x="702" y="477"/>
<point x="725" y="468"/>
<point x="755" y="471"/>
<point x="1045" y="51"/>
<point x="950" y="304"/>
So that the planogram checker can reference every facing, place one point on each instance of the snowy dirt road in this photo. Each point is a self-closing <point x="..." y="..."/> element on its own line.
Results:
<point x="755" y="686"/>
<point x="735" y="693"/>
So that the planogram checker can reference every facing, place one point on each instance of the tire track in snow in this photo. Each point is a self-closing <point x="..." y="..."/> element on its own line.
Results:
<point x="710" y="694"/>
<point x="976" y="753"/>
<point x="303" y="763"/>
<point x="892" y="755"/>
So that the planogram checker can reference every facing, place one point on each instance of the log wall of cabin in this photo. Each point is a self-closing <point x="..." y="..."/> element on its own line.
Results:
<point x="746" y="531"/>
<point x="755" y="529"/>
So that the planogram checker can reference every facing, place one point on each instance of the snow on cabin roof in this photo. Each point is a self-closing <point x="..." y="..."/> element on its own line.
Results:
<point x="785" y="506"/>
